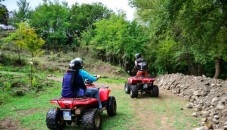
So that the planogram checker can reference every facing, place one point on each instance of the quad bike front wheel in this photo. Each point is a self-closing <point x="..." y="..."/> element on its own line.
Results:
<point x="155" y="91"/>
<point x="134" y="91"/>
<point x="91" y="120"/>
<point x="127" y="88"/>
<point x="54" y="119"/>
<point x="111" y="106"/>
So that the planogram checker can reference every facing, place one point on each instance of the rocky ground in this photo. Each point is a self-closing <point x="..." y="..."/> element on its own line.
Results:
<point x="207" y="96"/>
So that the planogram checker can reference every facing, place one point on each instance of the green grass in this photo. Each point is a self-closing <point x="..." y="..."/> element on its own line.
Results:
<point x="112" y="80"/>
<point x="30" y="110"/>
<point x="124" y="113"/>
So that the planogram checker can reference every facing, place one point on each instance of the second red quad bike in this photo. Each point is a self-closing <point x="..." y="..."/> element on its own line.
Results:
<point x="136" y="85"/>
<point x="83" y="112"/>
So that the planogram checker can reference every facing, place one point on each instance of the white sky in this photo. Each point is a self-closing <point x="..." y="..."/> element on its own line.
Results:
<point x="112" y="4"/>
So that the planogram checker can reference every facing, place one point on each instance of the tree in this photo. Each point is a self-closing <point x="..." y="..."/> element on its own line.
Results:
<point x="26" y="37"/>
<point x="23" y="13"/>
<point x="52" y="23"/>
<point x="116" y="40"/>
<point x="85" y="15"/>
<point x="3" y="14"/>
<point x="197" y="26"/>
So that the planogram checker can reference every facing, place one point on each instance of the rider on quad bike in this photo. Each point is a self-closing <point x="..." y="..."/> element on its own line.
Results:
<point x="73" y="82"/>
<point x="141" y="83"/>
<point x="140" y="66"/>
<point x="80" y="102"/>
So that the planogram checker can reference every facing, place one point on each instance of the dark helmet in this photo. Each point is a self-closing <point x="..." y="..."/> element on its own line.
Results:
<point x="74" y="65"/>
<point x="137" y="55"/>
<point x="80" y="60"/>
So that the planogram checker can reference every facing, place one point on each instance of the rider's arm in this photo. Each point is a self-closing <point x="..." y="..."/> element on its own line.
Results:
<point x="86" y="75"/>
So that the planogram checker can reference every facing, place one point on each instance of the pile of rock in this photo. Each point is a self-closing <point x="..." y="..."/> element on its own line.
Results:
<point x="206" y="95"/>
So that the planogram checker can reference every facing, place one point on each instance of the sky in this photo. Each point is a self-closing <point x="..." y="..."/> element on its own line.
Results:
<point x="112" y="4"/>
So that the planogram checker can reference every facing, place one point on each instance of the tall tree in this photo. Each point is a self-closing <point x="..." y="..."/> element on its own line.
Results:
<point x="83" y="16"/>
<point x="51" y="21"/>
<point x="23" y="13"/>
<point x="3" y="14"/>
<point x="116" y="40"/>
<point x="26" y="37"/>
<point x="198" y="26"/>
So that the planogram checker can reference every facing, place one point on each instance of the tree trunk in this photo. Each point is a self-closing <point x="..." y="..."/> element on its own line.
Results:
<point x="217" y="68"/>
<point x="200" y="69"/>
<point x="190" y="65"/>
<point x="18" y="52"/>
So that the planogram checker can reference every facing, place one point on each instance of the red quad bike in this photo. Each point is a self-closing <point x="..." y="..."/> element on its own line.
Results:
<point x="142" y="85"/>
<point x="83" y="112"/>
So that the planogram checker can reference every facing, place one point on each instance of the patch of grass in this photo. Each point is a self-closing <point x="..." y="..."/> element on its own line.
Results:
<point x="125" y="113"/>
<point x="112" y="80"/>
<point x="30" y="101"/>
<point x="176" y="117"/>
<point x="35" y="121"/>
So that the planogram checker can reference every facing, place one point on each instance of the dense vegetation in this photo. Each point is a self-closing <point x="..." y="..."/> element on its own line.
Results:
<point x="173" y="35"/>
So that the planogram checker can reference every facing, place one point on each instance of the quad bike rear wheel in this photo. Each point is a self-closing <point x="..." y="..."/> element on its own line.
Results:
<point x="127" y="88"/>
<point x="54" y="119"/>
<point x="111" y="106"/>
<point x="91" y="120"/>
<point x="155" y="91"/>
<point x="134" y="91"/>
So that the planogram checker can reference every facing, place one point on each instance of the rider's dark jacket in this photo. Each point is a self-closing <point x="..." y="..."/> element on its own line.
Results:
<point x="71" y="84"/>
<point x="140" y="64"/>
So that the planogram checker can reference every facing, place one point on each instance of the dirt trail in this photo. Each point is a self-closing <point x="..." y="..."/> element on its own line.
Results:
<point x="148" y="119"/>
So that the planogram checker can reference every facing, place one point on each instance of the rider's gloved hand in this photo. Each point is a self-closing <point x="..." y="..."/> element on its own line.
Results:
<point x="98" y="76"/>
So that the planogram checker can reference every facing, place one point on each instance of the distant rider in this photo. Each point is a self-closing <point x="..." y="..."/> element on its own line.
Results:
<point x="140" y="66"/>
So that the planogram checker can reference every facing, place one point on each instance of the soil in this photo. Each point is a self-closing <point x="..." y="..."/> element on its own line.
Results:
<point x="10" y="124"/>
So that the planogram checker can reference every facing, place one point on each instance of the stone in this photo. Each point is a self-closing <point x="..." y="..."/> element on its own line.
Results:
<point x="224" y="113"/>
<point x="216" y="116"/>
<point x="197" y="93"/>
<point x="201" y="128"/>
<point x="194" y="114"/>
<point x="215" y="121"/>
<point x="204" y="119"/>
<point x="205" y="113"/>
<point x="223" y="99"/>
<point x="189" y="105"/>
<point x="220" y="106"/>
<point x="214" y="101"/>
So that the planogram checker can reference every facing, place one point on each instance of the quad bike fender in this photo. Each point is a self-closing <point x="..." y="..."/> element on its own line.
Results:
<point x="104" y="94"/>
<point x="69" y="103"/>
<point x="135" y="80"/>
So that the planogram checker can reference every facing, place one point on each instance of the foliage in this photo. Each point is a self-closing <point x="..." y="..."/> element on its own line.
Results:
<point x="198" y="27"/>
<point x="83" y="16"/>
<point x="26" y="37"/>
<point x="51" y="23"/>
<point x="116" y="40"/>
<point x="3" y="14"/>
<point x="23" y="14"/>
<point x="62" y="26"/>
